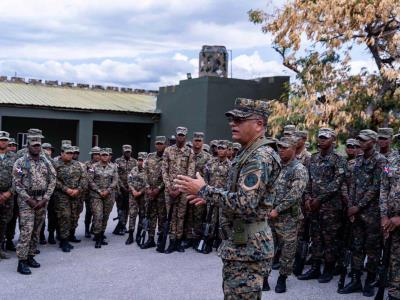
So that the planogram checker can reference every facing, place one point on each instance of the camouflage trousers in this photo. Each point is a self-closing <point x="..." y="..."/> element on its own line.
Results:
<point x="157" y="213"/>
<point x="324" y="232"/>
<point x="122" y="202"/>
<point x="136" y="208"/>
<point x="284" y="229"/>
<point x="394" y="275"/>
<point x="178" y="215"/>
<point x="101" y="209"/>
<point x="10" y="232"/>
<point x="6" y="214"/>
<point x="194" y="220"/>
<point x="243" y="280"/>
<point x="30" y="222"/>
<point x="67" y="210"/>
<point x="367" y="240"/>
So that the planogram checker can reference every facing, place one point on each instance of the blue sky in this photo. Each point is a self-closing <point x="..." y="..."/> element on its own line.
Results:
<point x="142" y="44"/>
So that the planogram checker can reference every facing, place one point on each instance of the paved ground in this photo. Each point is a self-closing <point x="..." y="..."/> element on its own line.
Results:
<point x="118" y="271"/>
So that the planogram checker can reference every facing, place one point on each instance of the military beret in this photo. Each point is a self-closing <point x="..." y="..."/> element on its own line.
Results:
<point x="4" y="135"/>
<point x="367" y="134"/>
<point x="198" y="135"/>
<point x="289" y="129"/>
<point x="385" y="133"/>
<point x="95" y="150"/>
<point x="35" y="132"/>
<point x="352" y="142"/>
<point x="237" y="146"/>
<point x="142" y="155"/>
<point x="127" y="148"/>
<point x="47" y="146"/>
<point x="160" y="139"/>
<point x="287" y="141"/>
<point x="206" y="147"/>
<point x="181" y="130"/>
<point x="244" y="108"/>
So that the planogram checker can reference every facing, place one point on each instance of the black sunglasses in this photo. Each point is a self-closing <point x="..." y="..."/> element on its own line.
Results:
<point x="239" y="120"/>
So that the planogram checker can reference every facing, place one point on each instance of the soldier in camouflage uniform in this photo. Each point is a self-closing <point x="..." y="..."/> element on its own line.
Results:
<point x="236" y="148"/>
<point x="71" y="181"/>
<point x="385" y="138"/>
<point x="137" y="185"/>
<point x="302" y="155"/>
<point x="390" y="220"/>
<point x="327" y="170"/>
<point x="364" y="213"/>
<point x="155" y="197"/>
<point x="103" y="181"/>
<point x="284" y="219"/>
<point x="95" y="157"/>
<point x="177" y="160"/>
<point x="12" y="145"/>
<point x="229" y="150"/>
<point x="125" y="164"/>
<point x="247" y="246"/>
<point x="195" y="214"/>
<point x="7" y="160"/>
<point x="34" y="180"/>
<point x="213" y="148"/>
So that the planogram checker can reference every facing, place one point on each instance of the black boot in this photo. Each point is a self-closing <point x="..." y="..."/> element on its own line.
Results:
<point x="266" y="286"/>
<point x="87" y="231"/>
<point x="369" y="290"/>
<point x="313" y="273"/>
<point x="275" y="262"/>
<point x="122" y="230"/>
<point x="117" y="229"/>
<point x="42" y="238"/>
<point x="180" y="247"/>
<point x="51" y="238"/>
<point x="98" y="238"/>
<point x="130" y="238"/>
<point x="149" y="244"/>
<point x="23" y="268"/>
<point x="138" y="232"/>
<point x="64" y="246"/>
<point x="171" y="247"/>
<point x="32" y="262"/>
<point x="392" y="298"/>
<point x="10" y="246"/>
<point x="298" y="265"/>
<point x="354" y="285"/>
<point x="159" y="248"/>
<point x="103" y="239"/>
<point x="72" y="237"/>
<point x="281" y="284"/>
<point x="327" y="275"/>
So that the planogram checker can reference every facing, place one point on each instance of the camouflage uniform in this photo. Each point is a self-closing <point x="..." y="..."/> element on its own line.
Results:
<point x="76" y="212"/>
<point x="176" y="162"/>
<point x="390" y="207"/>
<point x="101" y="178"/>
<point x="32" y="179"/>
<point x="245" y="206"/>
<point x="137" y="182"/>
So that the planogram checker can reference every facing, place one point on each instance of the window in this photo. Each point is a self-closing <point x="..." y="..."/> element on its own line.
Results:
<point x="22" y="140"/>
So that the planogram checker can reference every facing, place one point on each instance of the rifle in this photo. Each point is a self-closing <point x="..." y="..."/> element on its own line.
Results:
<point x="302" y="250"/>
<point x="205" y="243"/>
<point x="347" y="255"/>
<point x="165" y="230"/>
<point x="383" y="269"/>
<point x="145" y="224"/>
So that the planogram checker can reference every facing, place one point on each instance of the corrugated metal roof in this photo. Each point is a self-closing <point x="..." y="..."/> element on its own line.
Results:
<point x="75" y="98"/>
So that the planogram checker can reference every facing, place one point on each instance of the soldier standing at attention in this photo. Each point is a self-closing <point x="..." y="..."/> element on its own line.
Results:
<point x="285" y="216"/>
<point x="70" y="185"/>
<point x="125" y="164"/>
<point x="155" y="192"/>
<point x="385" y="138"/>
<point x="12" y="145"/>
<point x="7" y="160"/>
<point x="103" y="181"/>
<point x="247" y="248"/>
<point x="302" y="155"/>
<point x="177" y="160"/>
<point x="364" y="213"/>
<point x="34" y="180"/>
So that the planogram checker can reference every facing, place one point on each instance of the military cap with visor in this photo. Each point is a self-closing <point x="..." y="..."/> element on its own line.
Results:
<point x="244" y="108"/>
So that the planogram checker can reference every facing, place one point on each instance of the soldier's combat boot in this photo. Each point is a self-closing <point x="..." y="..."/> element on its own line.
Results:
<point x="159" y="248"/>
<point x="42" y="238"/>
<point x="354" y="285"/>
<point x="275" y="262"/>
<point x="281" y="284"/>
<point x="313" y="273"/>
<point x="327" y="275"/>
<point x="298" y="265"/>
<point x="64" y="246"/>
<point x="117" y="229"/>
<point x="122" y="229"/>
<point x="103" y="239"/>
<point x="87" y="231"/>
<point x="23" y="268"/>
<point x="150" y="243"/>
<point x="171" y="247"/>
<point x="180" y="247"/>
<point x="139" y="230"/>
<point x="32" y="262"/>
<point x="369" y="290"/>
<point x="51" y="238"/>
<point x="130" y="238"/>
<point x="98" y="239"/>
<point x="72" y="237"/>
<point x="10" y="246"/>
<point x="3" y="255"/>
<point x="266" y="286"/>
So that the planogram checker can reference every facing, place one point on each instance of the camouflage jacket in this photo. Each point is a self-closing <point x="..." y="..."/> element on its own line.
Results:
<point x="289" y="188"/>
<point x="392" y="156"/>
<point x="304" y="158"/>
<point x="177" y="162"/>
<point x="153" y="171"/>
<point x="348" y="179"/>
<point x="366" y="181"/>
<point x="389" y="199"/>
<point x="201" y="160"/>
<point x="248" y="200"/>
<point x="70" y="175"/>
<point x="124" y="168"/>
<point x="136" y="179"/>
<point x="6" y="167"/>
<point x="31" y="175"/>
<point x="326" y="176"/>
<point x="103" y="177"/>
<point x="217" y="172"/>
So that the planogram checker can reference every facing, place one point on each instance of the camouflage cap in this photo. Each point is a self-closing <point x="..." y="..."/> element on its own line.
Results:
<point x="206" y="147"/>
<point x="287" y="141"/>
<point x="214" y="143"/>
<point x="189" y="144"/>
<point x="142" y="155"/>
<point x="104" y="151"/>
<point x="66" y="142"/>
<point x="126" y="148"/>
<point x="352" y="142"/>
<point x="230" y="145"/>
<point x="326" y="132"/>
<point x="4" y="135"/>
<point x="386" y="133"/>
<point x="160" y="139"/>
<point x="244" y="108"/>
<point x="34" y="140"/>
<point x="222" y="144"/>
<point x="35" y="132"/>
<point x="95" y="150"/>
<point x="271" y="140"/>
<point x="12" y="142"/>
<point x="181" y="130"/>
<point x="198" y="136"/>
<point x="109" y="150"/>
<point x="301" y="134"/>
<point x="76" y="149"/>
<point x="47" y="146"/>
<point x="367" y="134"/>
<point x="237" y="146"/>
<point x="289" y="129"/>
<point x="68" y="149"/>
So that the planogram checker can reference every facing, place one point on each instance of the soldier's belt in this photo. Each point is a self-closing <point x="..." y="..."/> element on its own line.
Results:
<point x="243" y="231"/>
<point x="36" y="193"/>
